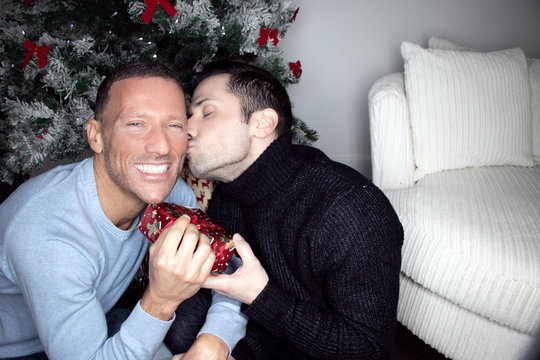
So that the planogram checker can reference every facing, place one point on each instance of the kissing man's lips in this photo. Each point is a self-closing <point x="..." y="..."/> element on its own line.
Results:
<point x="152" y="169"/>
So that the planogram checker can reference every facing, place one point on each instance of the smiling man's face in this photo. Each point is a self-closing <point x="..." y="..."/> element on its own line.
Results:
<point x="144" y="137"/>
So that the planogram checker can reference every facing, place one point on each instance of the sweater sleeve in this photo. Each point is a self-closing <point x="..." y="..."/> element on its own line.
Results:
<point x="224" y="318"/>
<point x="356" y="255"/>
<point x="56" y="282"/>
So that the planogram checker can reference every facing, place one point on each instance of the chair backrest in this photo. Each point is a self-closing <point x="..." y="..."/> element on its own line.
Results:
<point x="392" y="152"/>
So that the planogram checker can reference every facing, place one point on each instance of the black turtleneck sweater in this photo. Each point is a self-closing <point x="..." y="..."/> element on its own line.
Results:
<point x="331" y="244"/>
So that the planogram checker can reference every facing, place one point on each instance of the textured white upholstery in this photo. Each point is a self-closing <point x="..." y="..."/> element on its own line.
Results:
<point x="467" y="108"/>
<point x="533" y="66"/>
<point x="470" y="277"/>
<point x="391" y="143"/>
<point x="534" y="76"/>
<point x="454" y="331"/>
<point x="473" y="237"/>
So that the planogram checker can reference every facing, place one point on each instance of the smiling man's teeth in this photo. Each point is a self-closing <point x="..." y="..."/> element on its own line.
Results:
<point x="152" y="169"/>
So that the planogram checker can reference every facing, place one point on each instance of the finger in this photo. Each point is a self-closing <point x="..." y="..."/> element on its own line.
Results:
<point x="178" y="357"/>
<point x="216" y="282"/>
<point x="243" y="249"/>
<point x="170" y="238"/>
<point x="204" y="256"/>
<point x="167" y="242"/>
<point x="189" y="239"/>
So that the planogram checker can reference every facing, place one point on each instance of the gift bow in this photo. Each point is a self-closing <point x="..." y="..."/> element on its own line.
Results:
<point x="41" y="52"/>
<point x="152" y="6"/>
<point x="266" y="33"/>
<point x="296" y="68"/>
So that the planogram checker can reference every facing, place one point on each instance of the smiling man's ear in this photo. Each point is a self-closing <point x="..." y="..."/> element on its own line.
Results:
<point x="94" y="133"/>
<point x="264" y="122"/>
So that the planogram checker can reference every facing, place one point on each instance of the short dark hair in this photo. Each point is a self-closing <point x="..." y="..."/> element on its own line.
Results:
<point x="140" y="68"/>
<point x="257" y="89"/>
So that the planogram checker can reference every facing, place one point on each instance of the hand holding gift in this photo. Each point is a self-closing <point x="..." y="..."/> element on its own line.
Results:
<point x="247" y="282"/>
<point x="157" y="217"/>
<point x="180" y="261"/>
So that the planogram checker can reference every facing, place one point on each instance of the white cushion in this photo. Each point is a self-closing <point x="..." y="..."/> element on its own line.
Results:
<point x="443" y="44"/>
<point x="472" y="237"/>
<point x="534" y="81"/>
<point x="467" y="108"/>
<point x="534" y="76"/>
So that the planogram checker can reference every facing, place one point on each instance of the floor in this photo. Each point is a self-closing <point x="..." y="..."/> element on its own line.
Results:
<point x="409" y="347"/>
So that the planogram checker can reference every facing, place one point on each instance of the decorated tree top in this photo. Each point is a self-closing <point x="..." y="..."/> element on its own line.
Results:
<point x="55" y="53"/>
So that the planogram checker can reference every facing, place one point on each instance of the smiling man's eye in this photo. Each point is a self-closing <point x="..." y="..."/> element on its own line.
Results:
<point x="176" y="125"/>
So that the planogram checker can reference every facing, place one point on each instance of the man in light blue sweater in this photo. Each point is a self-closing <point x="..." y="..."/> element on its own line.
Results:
<point x="69" y="243"/>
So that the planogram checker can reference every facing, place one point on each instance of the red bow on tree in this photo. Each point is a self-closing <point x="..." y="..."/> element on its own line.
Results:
<point x="26" y="2"/>
<point x="152" y="6"/>
<point x="41" y="52"/>
<point x="294" y="15"/>
<point x="296" y="68"/>
<point x="267" y="33"/>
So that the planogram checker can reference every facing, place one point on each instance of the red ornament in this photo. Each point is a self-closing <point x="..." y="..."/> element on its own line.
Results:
<point x="296" y="68"/>
<point x="294" y="15"/>
<point x="152" y="6"/>
<point x="266" y="33"/>
<point x="41" y="52"/>
<point x="44" y="132"/>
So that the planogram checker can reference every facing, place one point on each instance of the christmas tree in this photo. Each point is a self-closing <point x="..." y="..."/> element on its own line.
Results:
<point x="55" y="54"/>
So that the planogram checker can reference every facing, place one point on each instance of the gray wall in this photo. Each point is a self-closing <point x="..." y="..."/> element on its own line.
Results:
<point x="345" y="45"/>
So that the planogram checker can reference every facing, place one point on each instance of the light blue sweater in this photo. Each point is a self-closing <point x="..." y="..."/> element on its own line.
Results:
<point x="63" y="265"/>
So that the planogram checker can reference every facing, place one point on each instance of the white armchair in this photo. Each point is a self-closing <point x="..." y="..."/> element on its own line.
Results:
<point x="454" y="142"/>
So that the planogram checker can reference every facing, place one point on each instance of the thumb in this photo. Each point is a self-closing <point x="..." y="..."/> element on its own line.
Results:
<point x="243" y="249"/>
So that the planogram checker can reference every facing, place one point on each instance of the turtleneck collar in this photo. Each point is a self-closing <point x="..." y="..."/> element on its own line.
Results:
<point x="266" y="175"/>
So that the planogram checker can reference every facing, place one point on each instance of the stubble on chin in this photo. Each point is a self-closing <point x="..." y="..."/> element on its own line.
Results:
<point x="194" y="168"/>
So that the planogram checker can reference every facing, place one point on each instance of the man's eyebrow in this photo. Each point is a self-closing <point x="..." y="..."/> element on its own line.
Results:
<point x="145" y="115"/>
<point x="139" y="114"/>
<point x="199" y="102"/>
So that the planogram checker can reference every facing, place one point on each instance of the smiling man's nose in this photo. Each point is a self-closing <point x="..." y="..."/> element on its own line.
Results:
<point x="158" y="142"/>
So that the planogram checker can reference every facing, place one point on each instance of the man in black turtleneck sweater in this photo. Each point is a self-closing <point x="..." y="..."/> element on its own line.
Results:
<point x="320" y="275"/>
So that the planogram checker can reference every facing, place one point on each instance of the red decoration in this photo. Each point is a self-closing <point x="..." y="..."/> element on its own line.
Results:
<point x="266" y="33"/>
<point x="26" y="2"/>
<point x="294" y="15"/>
<point x="41" y="52"/>
<point x="152" y="6"/>
<point x="158" y="217"/>
<point x="296" y="68"/>
<point x="44" y="132"/>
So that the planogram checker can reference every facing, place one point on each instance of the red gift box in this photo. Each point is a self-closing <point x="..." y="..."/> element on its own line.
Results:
<point x="157" y="217"/>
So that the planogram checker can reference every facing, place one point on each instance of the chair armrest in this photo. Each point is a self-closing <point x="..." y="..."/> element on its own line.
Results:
<point x="391" y="141"/>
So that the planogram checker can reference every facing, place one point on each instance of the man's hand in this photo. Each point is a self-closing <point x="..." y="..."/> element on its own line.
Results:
<point x="247" y="282"/>
<point x="206" y="347"/>
<point x="180" y="261"/>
